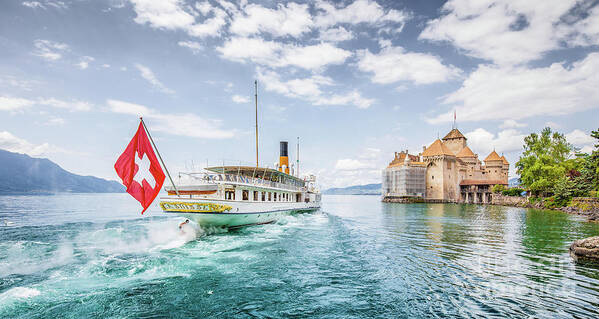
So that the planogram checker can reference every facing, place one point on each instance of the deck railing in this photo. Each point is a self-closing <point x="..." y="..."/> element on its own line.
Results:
<point x="240" y="179"/>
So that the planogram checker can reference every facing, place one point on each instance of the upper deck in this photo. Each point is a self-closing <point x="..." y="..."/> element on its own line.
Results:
<point x="258" y="177"/>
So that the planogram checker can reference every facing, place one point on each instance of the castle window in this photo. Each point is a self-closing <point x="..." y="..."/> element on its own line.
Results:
<point x="432" y="177"/>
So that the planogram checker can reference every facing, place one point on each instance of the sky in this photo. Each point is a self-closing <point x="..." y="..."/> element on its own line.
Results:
<point x="355" y="80"/>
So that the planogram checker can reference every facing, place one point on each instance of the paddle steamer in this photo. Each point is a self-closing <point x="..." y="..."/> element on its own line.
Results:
<point x="234" y="196"/>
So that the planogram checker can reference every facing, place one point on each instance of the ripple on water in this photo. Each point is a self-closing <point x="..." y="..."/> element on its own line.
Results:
<point x="361" y="258"/>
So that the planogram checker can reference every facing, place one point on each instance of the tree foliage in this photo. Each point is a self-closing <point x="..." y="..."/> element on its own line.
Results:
<point x="581" y="178"/>
<point x="498" y="188"/>
<point x="544" y="160"/>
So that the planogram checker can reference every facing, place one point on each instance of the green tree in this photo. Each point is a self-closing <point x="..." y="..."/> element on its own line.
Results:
<point x="542" y="163"/>
<point x="498" y="188"/>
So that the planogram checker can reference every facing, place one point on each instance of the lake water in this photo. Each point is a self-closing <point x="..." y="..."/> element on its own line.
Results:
<point x="79" y="256"/>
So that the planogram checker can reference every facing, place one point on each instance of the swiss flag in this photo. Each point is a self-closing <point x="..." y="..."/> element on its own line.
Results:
<point x="139" y="169"/>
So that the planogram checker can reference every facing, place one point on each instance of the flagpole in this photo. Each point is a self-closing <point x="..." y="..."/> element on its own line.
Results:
<point x="160" y="157"/>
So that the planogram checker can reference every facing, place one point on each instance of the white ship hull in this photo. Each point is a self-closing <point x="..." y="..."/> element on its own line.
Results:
<point x="230" y="214"/>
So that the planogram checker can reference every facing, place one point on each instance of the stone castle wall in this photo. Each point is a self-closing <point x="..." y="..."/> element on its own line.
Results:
<point x="499" y="199"/>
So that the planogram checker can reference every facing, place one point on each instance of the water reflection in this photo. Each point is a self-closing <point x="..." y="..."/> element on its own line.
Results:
<point x="498" y="259"/>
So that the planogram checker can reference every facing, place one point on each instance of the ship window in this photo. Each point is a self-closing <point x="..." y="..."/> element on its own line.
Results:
<point x="245" y="194"/>
<point x="275" y="196"/>
<point x="230" y="194"/>
<point x="255" y="196"/>
<point x="298" y="198"/>
<point x="263" y="196"/>
<point x="269" y="196"/>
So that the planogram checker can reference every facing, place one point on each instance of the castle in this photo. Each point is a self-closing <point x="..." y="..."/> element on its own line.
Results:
<point x="446" y="171"/>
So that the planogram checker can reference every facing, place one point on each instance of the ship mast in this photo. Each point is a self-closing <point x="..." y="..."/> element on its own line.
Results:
<point x="297" y="159"/>
<point x="256" y="98"/>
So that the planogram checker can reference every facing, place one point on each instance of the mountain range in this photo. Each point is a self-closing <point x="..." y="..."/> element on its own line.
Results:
<point x="368" y="189"/>
<point x="375" y="189"/>
<point x="22" y="174"/>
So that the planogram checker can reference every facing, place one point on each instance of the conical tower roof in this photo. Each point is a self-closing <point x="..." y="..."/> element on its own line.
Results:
<point x="493" y="157"/>
<point x="454" y="133"/>
<point x="466" y="152"/>
<point x="437" y="148"/>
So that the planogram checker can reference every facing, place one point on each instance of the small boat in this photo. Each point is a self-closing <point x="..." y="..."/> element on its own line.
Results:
<point x="235" y="196"/>
<point x="6" y="223"/>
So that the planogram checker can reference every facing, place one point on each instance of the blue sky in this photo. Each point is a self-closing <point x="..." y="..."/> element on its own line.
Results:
<point x="356" y="80"/>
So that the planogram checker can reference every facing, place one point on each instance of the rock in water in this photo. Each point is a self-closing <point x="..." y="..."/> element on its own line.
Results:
<point x="587" y="248"/>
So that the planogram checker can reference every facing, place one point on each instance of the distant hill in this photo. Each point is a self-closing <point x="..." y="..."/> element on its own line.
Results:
<point x="22" y="174"/>
<point x="369" y="189"/>
<point x="513" y="182"/>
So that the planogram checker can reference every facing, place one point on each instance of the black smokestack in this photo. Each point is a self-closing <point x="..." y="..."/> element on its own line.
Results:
<point x="283" y="149"/>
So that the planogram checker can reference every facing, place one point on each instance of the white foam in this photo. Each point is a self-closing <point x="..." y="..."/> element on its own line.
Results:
<point x="25" y="261"/>
<point x="20" y="292"/>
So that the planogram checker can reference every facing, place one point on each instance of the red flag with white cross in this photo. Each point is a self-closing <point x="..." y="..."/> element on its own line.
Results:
<point x="140" y="170"/>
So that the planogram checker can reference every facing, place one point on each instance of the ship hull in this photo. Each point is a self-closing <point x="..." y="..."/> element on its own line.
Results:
<point x="231" y="214"/>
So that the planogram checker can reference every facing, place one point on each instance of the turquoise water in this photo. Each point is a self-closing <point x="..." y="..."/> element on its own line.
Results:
<point x="78" y="256"/>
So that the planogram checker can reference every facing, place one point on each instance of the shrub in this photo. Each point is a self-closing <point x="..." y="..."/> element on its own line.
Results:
<point x="516" y="191"/>
<point x="498" y="188"/>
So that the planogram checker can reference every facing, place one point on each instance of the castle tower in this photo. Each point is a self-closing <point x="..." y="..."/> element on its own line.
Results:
<point x="441" y="173"/>
<point x="455" y="141"/>
<point x="494" y="167"/>
<point x="506" y="168"/>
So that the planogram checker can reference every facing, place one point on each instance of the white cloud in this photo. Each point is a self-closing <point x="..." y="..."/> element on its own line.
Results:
<point x="33" y="4"/>
<point x="359" y="11"/>
<point x="511" y="124"/>
<point x="57" y="121"/>
<point x="15" y="82"/>
<point x="583" y="141"/>
<point x="240" y="99"/>
<point x="502" y="93"/>
<point x="502" y="31"/>
<point x="84" y="62"/>
<point x="483" y="142"/>
<point x="188" y="124"/>
<point x="394" y="64"/>
<point x="275" y="54"/>
<point x="175" y="15"/>
<point x="106" y="66"/>
<point x="195" y="47"/>
<point x="310" y="89"/>
<point x="8" y="103"/>
<point x="45" y="5"/>
<point x="335" y="35"/>
<point x="304" y="88"/>
<point x="149" y="76"/>
<point x="49" y="50"/>
<point x="348" y="164"/>
<point x="291" y="19"/>
<point x="12" y="143"/>
<point x="579" y="138"/>
<point x="73" y="105"/>
<point x="354" y="98"/>
<point x="586" y="31"/>
<point x="313" y="56"/>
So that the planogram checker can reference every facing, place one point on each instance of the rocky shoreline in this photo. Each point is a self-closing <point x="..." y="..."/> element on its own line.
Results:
<point x="584" y="206"/>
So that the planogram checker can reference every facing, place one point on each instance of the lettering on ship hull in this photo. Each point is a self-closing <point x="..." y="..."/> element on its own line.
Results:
<point x="194" y="207"/>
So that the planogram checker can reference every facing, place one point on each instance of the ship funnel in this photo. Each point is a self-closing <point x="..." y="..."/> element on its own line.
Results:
<point x="284" y="158"/>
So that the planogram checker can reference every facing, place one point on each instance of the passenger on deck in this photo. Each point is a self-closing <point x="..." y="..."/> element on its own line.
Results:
<point x="183" y="224"/>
